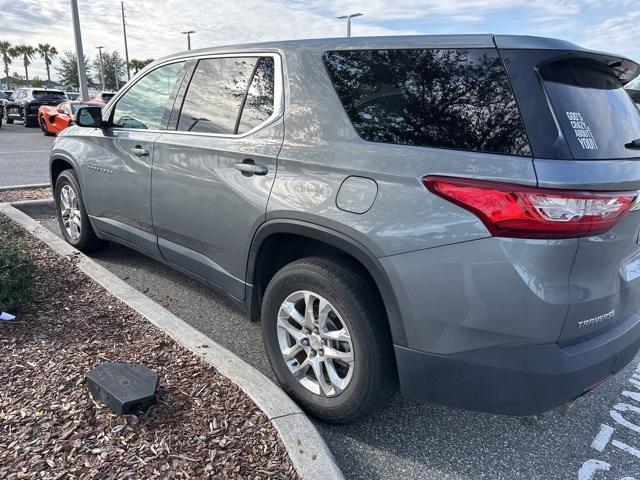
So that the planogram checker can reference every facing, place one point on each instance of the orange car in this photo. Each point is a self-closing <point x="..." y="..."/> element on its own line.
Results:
<point x="53" y="120"/>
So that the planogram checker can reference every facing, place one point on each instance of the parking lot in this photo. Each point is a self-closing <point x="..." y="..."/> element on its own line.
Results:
<point x="598" y="439"/>
<point x="24" y="155"/>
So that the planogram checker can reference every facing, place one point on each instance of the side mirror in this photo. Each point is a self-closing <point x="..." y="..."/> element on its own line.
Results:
<point x="89" y="117"/>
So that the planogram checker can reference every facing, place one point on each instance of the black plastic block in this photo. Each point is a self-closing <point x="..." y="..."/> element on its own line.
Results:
<point x="123" y="387"/>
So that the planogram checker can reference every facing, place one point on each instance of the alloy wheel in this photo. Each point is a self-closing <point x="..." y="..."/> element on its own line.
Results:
<point x="70" y="212"/>
<point x="315" y="343"/>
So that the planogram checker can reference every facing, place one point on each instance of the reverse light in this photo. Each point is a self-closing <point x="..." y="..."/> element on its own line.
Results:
<point x="519" y="211"/>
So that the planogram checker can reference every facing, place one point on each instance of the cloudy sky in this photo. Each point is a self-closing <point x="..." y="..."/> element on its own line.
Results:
<point x="154" y="27"/>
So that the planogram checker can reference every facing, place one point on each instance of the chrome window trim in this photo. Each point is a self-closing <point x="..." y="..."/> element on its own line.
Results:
<point x="278" y="94"/>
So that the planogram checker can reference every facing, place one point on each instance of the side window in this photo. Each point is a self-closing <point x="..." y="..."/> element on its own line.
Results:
<point x="447" y="98"/>
<point x="215" y="95"/>
<point x="145" y="103"/>
<point x="258" y="105"/>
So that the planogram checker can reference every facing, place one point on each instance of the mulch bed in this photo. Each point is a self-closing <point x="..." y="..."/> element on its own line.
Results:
<point x="203" y="426"/>
<point x="25" y="194"/>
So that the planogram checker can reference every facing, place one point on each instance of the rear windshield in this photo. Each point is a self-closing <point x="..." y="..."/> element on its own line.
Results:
<point x="446" y="98"/>
<point x="595" y="112"/>
<point x="48" y="95"/>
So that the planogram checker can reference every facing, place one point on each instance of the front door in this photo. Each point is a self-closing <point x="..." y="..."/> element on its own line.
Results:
<point x="213" y="174"/>
<point x="118" y="171"/>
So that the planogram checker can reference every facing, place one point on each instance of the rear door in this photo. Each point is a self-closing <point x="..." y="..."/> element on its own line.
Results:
<point x="585" y="144"/>
<point x="213" y="173"/>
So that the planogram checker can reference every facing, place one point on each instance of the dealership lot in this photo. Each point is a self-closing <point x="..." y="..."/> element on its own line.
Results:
<point x="598" y="439"/>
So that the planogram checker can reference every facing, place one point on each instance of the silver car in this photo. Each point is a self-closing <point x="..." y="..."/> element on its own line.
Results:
<point x="453" y="215"/>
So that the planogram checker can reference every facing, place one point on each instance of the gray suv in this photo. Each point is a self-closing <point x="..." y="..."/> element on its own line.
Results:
<point x="456" y="215"/>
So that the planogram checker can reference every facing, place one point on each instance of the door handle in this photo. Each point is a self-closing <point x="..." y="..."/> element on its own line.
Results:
<point x="139" y="151"/>
<point x="249" y="168"/>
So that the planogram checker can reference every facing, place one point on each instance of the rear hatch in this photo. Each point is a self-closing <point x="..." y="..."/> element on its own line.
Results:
<point x="47" y="97"/>
<point x="582" y="125"/>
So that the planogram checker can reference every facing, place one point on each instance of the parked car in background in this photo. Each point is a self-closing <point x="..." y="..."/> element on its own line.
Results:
<point x="444" y="212"/>
<point x="5" y="95"/>
<point x="54" y="119"/>
<point x="101" y="97"/>
<point x="73" y="95"/>
<point x="25" y="102"/>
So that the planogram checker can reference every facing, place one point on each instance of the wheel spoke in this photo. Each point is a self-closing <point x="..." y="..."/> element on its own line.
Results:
<point x="292" y="351"/>
<point x="309" y="318"/>
<point x="299" y="371"/>
<point x="297" y="335"/>
<point x="334" y="354"/>
<point x="334" y="378"/>
<point x="290" y="309"/>
<point x="337" y="335"/>
<point x="316" y="364"/>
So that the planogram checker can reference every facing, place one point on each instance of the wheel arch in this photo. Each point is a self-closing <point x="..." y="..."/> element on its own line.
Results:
<point x="274" y="231"/>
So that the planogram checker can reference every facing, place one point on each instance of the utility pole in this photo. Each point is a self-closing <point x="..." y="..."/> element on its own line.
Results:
<point x="82" y="72"/>
<point x="188" y="34"/>
<point x="115" y="74"/>
<point x="126" y="49"/>
<point x="101" y="69"/>
<point x="349" y="17"/>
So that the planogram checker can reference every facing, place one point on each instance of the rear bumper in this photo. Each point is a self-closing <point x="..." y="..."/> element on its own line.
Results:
<point x="518" y="380"/>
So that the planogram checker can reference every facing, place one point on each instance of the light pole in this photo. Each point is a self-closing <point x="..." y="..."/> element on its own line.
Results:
<point x="101" y="68"/>
<point x="82" y="72"/>
<point x="349" y="17"/>
<point x="126" y="48"/>
<point x="188" y="34"/>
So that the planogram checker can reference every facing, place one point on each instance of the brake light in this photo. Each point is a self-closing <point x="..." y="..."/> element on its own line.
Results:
<point x="528" y="212"/>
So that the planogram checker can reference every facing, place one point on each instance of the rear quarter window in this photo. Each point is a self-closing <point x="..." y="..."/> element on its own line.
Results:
<point x="446" y="98"/>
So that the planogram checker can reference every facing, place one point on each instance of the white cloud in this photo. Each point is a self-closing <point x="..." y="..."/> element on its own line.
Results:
<point x="619" y="34"/>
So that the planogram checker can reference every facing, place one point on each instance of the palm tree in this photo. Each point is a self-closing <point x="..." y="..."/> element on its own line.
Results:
<point x="5" y="51"/>
<point x="135" y="64"/>
<point x="47" y="52"/>
<point x="27" y="52"/>
<point x="138" y="65"/>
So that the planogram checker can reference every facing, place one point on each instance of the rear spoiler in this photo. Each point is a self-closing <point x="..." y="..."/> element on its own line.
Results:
<point x="623" y="68"/>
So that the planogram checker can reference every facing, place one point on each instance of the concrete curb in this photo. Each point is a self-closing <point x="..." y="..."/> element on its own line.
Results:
<point x="24" y="187"/>
<point x="306" y="448"/>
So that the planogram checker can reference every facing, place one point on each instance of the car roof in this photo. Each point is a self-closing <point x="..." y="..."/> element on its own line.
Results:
<point x="400" y="41"/>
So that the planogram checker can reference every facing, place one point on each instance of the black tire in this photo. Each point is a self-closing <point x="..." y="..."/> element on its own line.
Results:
<point x="87" y="241"/>
<point x="29" y="123"/>
<point x="374" y="377"/>
<point x="43" y="126"/>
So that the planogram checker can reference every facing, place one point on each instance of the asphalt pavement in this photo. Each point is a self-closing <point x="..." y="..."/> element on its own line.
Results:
<point x="599" y="439"/>
<point x="24" y="155"/>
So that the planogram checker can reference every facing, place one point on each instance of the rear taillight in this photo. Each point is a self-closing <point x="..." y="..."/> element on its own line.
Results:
<point x="528" y="212"/>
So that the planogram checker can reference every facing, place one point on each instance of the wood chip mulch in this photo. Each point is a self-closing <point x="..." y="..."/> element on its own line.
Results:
<point x="203" y="426"/>
<point x="25" y="194"/>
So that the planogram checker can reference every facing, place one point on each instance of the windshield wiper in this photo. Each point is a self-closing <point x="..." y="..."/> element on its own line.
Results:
<point x="635" y="144"/>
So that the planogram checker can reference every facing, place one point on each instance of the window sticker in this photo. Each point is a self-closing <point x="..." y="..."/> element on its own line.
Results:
<point x="582" y="131"/>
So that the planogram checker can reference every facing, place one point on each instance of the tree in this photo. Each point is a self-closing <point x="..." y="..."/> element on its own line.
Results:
<point x="113" y="68"/>
<point x="5" y="51"/>
<point x="27" y="52"/>
<point x="67" y="70"/>
<point x="47" y="52"/>
<point x="36" y="82"/>
<point x="138" y="65"/>
<point x="17" y="79"/>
